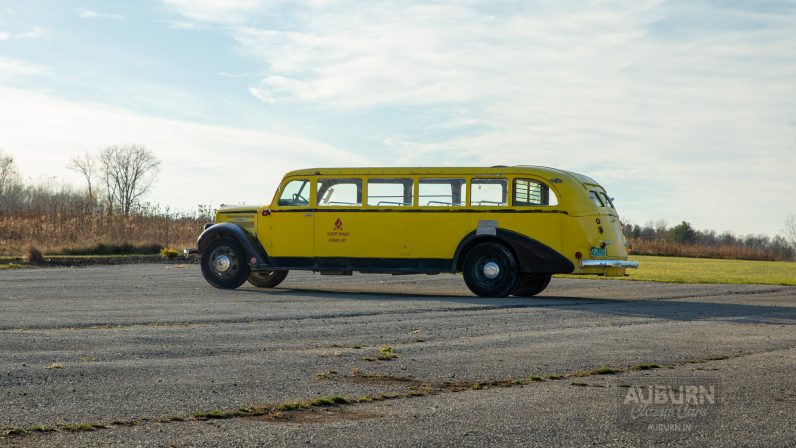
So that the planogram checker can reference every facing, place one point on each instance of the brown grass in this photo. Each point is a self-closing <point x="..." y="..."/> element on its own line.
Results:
<point x="31" y="254"/>
<point x="674" y="249"/>
<point x="56" y="233"/>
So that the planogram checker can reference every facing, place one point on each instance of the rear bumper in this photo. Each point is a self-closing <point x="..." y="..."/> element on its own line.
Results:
<point x="608" y="264"/>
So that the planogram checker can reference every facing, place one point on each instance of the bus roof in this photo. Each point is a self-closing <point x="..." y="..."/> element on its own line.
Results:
<point x="541" y="171"/>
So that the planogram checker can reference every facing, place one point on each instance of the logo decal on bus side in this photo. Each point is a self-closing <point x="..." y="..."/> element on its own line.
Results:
<point x="337" y="235"/>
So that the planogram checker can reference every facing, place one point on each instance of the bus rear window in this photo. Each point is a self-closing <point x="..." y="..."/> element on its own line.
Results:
<point x="596" y="198"/>
<point x="529" y="192"/>
<point x="607" y="200"/>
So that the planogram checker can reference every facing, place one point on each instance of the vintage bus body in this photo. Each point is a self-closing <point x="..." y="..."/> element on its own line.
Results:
<point x="507" y="229"/>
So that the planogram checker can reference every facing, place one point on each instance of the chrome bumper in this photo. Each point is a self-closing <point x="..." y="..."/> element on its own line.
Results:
<point x="608" y="264"/>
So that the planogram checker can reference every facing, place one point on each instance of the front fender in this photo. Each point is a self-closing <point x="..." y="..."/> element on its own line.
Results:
<point x="533" y="256"/>
<point x="251" y="246"/>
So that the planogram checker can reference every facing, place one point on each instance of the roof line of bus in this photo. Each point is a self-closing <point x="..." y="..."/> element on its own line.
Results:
<point x="518" y="169"/>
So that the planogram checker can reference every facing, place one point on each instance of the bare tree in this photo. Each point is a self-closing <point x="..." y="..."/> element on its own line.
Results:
<point x="790" y="229"/>
<point x="86" y="165"/>
<point x="8" y="171"/>
<point x="127" y="171"/>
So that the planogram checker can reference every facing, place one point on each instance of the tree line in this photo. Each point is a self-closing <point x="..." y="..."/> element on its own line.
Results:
<point x="117" y="178"/>
<point x="656" y="238"/>
<point x="107" y="215"/>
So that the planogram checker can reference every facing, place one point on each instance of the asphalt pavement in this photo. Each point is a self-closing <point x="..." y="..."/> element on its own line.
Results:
<point x="151" y="355"/>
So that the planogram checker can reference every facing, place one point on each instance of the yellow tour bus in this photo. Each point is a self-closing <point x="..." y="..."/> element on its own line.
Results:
<point x="506" y="229"/>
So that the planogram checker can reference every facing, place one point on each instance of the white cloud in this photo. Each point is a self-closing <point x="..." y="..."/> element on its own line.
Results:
<point x="91" y="14"/>
<point x="262" y="95"/>
<point x="227" y="11"/>
<point x="685" y="110"/>
<point x="233" y="75"/>
<point x="185" y="25"/>
<point x="32" y="32"/>
<point x="14" y="68"/>
<point x="201" y="163"/>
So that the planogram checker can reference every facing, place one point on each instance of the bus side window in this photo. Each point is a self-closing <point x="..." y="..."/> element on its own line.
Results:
<point x="390" y="192"/>
<point x="528" y="192"/>
<point x="489" y="192"/>
<point x="441" y="192"/>
<point x="339" y="192"/>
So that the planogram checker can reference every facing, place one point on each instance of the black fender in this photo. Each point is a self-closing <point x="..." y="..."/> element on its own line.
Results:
<point x="251" y="246"/>
<point x="533" y="256"/>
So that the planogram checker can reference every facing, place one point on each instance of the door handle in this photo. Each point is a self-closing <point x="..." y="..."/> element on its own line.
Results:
<point x="307" y="214"/>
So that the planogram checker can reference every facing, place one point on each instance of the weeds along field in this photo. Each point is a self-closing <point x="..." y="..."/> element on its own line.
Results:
<point x="97" y="233"/>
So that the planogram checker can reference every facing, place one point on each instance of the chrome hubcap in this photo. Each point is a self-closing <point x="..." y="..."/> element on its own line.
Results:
<point x="222" y="263"/>
<point x="491" y="270"/>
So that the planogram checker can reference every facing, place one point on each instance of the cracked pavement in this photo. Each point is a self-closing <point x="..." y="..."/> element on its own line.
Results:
<point x="143" y="342"/>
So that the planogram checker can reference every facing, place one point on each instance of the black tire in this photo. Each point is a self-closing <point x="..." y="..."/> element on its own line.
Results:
<point x="267" y="279"/>
<point x="476" y="267"/>
<point x="532" y="284"/>
<point x="236" y="272"/>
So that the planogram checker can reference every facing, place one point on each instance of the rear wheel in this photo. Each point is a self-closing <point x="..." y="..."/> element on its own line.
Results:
<point x="223" y="263"/>
<point x="267" y="279"/>
<point x="491" y="270"/>
<point x="532" y="284"/>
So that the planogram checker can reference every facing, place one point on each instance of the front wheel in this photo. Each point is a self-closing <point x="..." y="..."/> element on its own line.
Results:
<point x="532" y="284"/>
<point x="267" y="279"/>
<point x="223" y="263"/>
<point x="491" y="270"/>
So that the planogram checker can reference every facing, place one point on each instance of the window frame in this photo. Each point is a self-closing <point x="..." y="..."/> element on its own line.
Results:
<point x="593" y="194"/>
<point x="488" y="177"/>
<point x="366" y="191"/>
<point x="464" y="202"/>
<point x="362" y="191"/>
<point x="278" y="196"/>
<point x="609" y="202"/>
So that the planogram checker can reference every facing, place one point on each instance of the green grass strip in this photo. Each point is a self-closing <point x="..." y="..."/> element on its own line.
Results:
<point x="707" y="270"/>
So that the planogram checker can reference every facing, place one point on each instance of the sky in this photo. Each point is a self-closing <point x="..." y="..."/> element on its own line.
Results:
<point x="683" y="110"/>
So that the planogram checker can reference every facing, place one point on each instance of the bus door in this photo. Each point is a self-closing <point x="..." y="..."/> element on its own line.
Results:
<point x="287" y="230"/>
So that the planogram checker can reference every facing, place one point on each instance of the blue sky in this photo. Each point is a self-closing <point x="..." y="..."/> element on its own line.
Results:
<point x="683" y="110"/>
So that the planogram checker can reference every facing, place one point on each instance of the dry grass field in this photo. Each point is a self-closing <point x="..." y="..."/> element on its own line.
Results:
<point x="669" y="248"/>
<point x="97" y="233"/>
